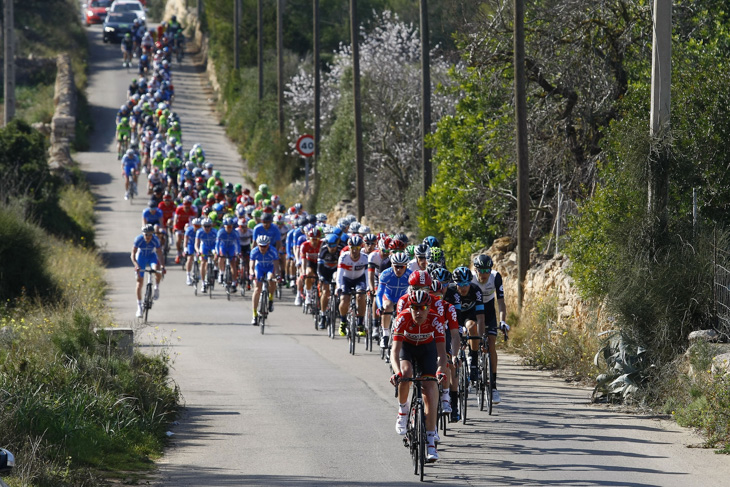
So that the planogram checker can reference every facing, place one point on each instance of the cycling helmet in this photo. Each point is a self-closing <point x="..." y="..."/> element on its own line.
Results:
<point x="240" y="211"/>
<point x="441" y="274"/>
<point x="279" y="219"/>
<point x="411" y="251"/>
<point x="384" y="244"/>
<point x="124" y="121"/>
<point x="419" y="298"/>
<point x="421" y="250"/>
<point x="238" y="187"/>
<point x="216" y="174"/>
<point x="209" y="165"/>
<point x="436" y="286"/>
<point x="402" y="237"/>
<point x="275" y="200"/>
<point x="462" y="274"/>
<point x="167" y="196"/>
<point x="399" y="258"/>
<point x="230" y="221"/>
<point x="263" y="240"/>
<point x="321" y="217"/>
<point x="436" y="255"/>
<point x="431" y="241"/>
<point x="297" y="206"/>
<point x="364" y="229"/>
<point x="152" y="204"/>
<point x="331" y="240"/>
<point x="264" y="188"/>
<point x="355" y="241"/>
<point x="217" y="207"/>
<point x="420" y="279"/>
<point x="370" y="238"/>
<point x="267" y="217"/>
<point x="196" y="222"/>
<point x="314" y="233"/>
<point x="397" y="245"/>
<point x="149" y="228"/>
<point x="351" y="218"/>
<point x="127" y="35"/>
<point x="130" y="152"/>
<point x="228" y="192"/>
<point x="431" y="267"/>
<point x="144" y="58"/>
<point x="343" y="224"/>
<point x="483" y="262"/>
<point x="354" y="227"/>
<point x="188" y="200"/>
<point x="173" y="18"/>
<point x="207" y="222"/>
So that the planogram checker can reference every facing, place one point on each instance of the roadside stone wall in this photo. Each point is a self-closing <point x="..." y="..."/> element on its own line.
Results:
<point x="63" y="124"/>
<point x="546" y="277"/>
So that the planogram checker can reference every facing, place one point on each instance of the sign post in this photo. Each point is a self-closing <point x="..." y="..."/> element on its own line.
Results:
<point x="305" y="147"/>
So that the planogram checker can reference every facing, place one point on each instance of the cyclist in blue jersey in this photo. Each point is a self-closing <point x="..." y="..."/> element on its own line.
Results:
<point x="152" y="215"/>
<point x="264" y="265"/>
<point x="189" y="245"/>
<point x="130" y="170"/>
<point x="146" y="252"/>
<point x="228" y="244"/>
<point x="204" y="246"/>
<point x="392" y="286"/>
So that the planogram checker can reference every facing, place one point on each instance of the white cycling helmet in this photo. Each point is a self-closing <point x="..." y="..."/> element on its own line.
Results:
<point x="263" y="240"/>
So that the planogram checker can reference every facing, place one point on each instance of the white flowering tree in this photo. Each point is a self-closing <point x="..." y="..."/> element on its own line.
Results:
<point x="390" y="70"/>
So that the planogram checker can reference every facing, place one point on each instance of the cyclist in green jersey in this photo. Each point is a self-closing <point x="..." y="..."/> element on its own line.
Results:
<point x="124" y="133"/>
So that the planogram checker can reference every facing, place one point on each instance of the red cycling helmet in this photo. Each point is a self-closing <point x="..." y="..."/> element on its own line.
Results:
<point x="396" y="245"/>
<point x="420" y="279"/>
<point x="419" y="298"/>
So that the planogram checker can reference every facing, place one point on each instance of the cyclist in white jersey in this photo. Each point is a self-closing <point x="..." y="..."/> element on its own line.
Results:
<point x="351" y="269"/>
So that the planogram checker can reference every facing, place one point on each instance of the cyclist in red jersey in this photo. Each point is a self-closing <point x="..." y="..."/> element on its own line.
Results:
<point x="418" y="339"/>
<point x="183" y="214"/>
<point x="309" y="252"/>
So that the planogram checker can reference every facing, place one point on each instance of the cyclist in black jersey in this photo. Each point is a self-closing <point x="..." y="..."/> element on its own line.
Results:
<point x="329" y="255"/>
<point x="471" y="312"/>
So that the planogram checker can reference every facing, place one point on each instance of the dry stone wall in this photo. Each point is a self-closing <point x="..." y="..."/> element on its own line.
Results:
<point x="63" y="124"/>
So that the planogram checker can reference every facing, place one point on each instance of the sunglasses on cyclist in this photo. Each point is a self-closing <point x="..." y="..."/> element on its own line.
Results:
<point x="399" y="267"/>
<point x="463" y="284"/>
<point x="419" y="308"/>
<point x="484" y="271"/>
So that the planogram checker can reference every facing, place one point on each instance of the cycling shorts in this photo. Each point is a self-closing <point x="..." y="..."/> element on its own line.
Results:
<point x="327" y="275"/>
<point x="227" y="251"/>
<point x="359" y="284"/>
<point x="425" y="355"/>
<point x="246" y="250"/>
<point x="263" y="271"/>
<point x="190" y="248"/>
<point x="129" y="170"/>
<point x="206" y="251"/>
<point x="144" y="261"/>
<point x="490" y="320"/>
<point x="311" y="264"/>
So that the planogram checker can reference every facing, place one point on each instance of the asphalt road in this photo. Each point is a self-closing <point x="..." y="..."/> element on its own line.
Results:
<point x="293" y="408"/>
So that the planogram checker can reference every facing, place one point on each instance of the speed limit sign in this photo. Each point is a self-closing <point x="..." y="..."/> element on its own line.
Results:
<point x="305" y="145"/>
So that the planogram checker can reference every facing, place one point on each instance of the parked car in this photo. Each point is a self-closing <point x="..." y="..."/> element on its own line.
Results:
<point x="129" y="6"/>
<point x="117" y="24"/>
<point x="95" y="11"/>
<point x="7" y="462"/>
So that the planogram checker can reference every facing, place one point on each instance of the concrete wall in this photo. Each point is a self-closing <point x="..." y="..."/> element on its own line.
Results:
<point x="63" y="124"/>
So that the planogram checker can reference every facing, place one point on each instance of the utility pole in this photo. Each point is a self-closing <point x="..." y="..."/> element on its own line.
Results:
<point x="359" y="161"/>
<point x="280" y="63"/>
<point x="9" y="62"/>
<point x="200" y="10"/>
<point x="236" y="33"/>
<point x="260" y="57"/>
<point x="317" y="88"/>
<point x="425" y="97"/>
<point x="523" y="164"/>
<point x="661" y="77"/>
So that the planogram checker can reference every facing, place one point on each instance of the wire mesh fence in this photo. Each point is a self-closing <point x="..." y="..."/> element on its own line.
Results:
<point x="722" y="291"/>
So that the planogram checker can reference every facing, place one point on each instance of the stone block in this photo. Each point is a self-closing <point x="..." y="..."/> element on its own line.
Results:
<point x="710" y="336"/>
<point x="721" y="364"/>
<point x="119" y="340"/>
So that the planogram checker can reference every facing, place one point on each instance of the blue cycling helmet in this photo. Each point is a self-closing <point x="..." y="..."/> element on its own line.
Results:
<point x="431" y="241"/>
<point x="217" y="207"/>
<point x="331" y="240"/>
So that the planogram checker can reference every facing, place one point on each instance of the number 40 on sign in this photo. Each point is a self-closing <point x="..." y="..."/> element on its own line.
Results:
<point x="305" y="145"/>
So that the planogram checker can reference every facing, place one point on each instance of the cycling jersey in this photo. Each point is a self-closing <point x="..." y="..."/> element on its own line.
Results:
<point x="391" y="286"/>
<point x="405" y="329"/>
<point x="207" y="240"/>
<point x="228" y="244"/>
<point x="152" y="216"/>
<point x="129" y="164"/>
<point x="264" y="262"/>
<point x="146" y="249"/>
<point x="349" y="268"/>
<point x="168" y="210"/>
<point x="374" y="260"/>
<point x="471" y="304"/>
<point x="309" y="251"/>
<point x="272" y="232"/>
<point x="183" y="215"/>
<point x="190" y="240"/>
<point x="493" y="287"/>
<point x="327" y="264"/>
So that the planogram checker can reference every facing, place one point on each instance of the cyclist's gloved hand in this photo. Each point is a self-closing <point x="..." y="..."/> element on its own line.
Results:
<point x="395" y="378"/>
<point x="440" y="376"/>
<point x="503" y="326"/>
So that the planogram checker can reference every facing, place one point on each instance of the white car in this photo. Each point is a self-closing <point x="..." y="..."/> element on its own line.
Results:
<point x="129" y="6"/>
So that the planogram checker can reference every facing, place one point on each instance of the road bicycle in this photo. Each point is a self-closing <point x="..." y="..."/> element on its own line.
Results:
<point x="314" y="304"/>
<point x="210" y="274"/>
<point x="263" y="305"/>
<point x="463" y="376"/>
<point x="415" y="437"/>
<point x="244" y="282"/>
<point x="148" y="293"/>
<point x="279" y="285"/>
<point x="486" y="391"/>
<point x="228" y="278"/>
<point x="196" y="274"/>
<point x="332" y="312"/>
<point x="122" y="146"/>
<point x="352" y="334"/>
<point x="443" y="417"/>
<point x="369" y="321"/>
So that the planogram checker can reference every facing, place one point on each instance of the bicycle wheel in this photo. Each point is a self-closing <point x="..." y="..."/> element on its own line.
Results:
<point x="147" y="300"/>
<point x="486" y="381"/>
<point x="228" y="280"/>
<point x="443" y="417"/>
<point x="421" y="438"/>
<point x="196" y="275"/>
<point x="263" y="306"/>
<point x="412" y="433"/>
<point x="463" y="388"/>
<point x="353" y="332"/>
